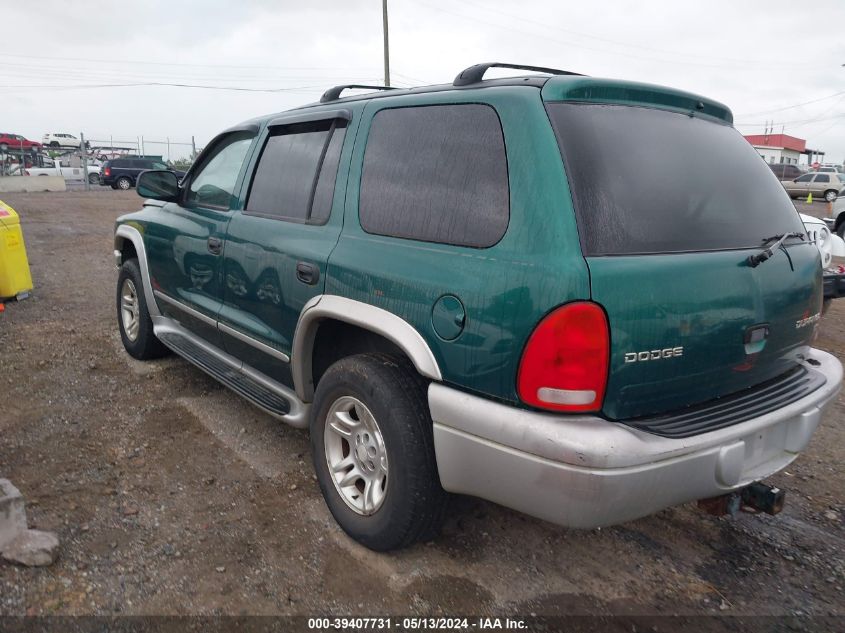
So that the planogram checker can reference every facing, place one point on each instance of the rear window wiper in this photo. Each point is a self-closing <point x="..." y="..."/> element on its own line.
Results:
<point x="766" y="253"/>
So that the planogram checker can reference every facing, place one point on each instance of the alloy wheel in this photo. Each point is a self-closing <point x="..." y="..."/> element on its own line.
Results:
<point x="130" y="310"/>
<point x="356" y="455"/>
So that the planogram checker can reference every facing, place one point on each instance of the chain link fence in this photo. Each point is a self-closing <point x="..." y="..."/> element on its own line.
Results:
<point x="73" y="157"/>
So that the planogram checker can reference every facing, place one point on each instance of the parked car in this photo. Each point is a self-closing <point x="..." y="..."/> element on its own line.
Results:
<point x="836" y="221"/>
<point x="830" y="245"/>
<point x="61" y="139"/>
<point x="56" y="168"/>
<point x="17" y="142"/>
<point x="786" y="171"/>
<point x="412" y="275"/>
<point x="821" y="185"/>
<point x="122" y="173"/>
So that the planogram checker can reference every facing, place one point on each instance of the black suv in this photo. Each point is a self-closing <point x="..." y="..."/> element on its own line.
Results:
<point x="121" y="173"/>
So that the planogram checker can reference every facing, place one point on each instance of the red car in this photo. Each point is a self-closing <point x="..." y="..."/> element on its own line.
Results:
<point x="16" y="141"/>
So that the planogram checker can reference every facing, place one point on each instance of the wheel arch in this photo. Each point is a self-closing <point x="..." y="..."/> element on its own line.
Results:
<point x="364" y="316"/>
<point x="128" y="240"/>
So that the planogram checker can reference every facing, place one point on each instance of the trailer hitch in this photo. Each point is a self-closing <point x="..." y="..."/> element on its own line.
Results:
<point x="756" y="497"/>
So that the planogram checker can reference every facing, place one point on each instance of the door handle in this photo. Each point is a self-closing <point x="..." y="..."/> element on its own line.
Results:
<point x="215" y="245"/>
<point x="307" y="273"/>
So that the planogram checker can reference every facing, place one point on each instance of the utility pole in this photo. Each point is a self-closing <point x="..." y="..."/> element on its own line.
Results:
<point x="193" y="149"/>
<point x="84" y="161"/>
<point x="386" y="43"/>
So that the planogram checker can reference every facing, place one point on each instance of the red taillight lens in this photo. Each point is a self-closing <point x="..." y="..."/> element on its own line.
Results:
<point x="564" y="365"/>
<point x="107" y="171"/>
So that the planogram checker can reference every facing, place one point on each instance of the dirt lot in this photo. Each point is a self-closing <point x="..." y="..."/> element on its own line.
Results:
<point x="173" y="496"/>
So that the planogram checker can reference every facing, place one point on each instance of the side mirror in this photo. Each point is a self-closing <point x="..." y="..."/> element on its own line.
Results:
<point x="158" y="185"/>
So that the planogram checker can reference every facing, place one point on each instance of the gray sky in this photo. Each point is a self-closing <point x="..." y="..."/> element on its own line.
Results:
<point x="757" y="57"/>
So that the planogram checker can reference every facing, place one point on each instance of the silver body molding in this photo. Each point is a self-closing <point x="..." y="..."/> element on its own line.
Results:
<point x="586" y="472"/>
<point x="365" y="316"/>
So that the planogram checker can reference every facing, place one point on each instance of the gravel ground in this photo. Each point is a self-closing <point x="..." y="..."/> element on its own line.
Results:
<point x="173" y="496"/>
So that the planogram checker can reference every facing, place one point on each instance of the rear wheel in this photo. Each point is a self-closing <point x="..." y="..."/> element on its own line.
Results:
<point x="133" y="317"/>
<point x="830" y="195"/>
<point x="373" y="451"/>
<point x="94" y="179"/>
<point x="123" y="183"/>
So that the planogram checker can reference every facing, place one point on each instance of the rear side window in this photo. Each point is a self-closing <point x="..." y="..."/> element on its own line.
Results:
<point x="296" y="173"/>
<point x="822" y="178"/>
<point x="436" y="174"/>
<point x="645" y="180"/>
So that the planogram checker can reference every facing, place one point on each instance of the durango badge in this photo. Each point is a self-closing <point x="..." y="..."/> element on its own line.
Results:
<point x="655" y="354"/>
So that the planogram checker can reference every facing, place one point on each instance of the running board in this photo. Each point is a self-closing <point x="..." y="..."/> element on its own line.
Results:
<point x="266" y="394"/>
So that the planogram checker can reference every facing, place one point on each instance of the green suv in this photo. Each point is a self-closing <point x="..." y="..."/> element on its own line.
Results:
<point x="585" y="299"/>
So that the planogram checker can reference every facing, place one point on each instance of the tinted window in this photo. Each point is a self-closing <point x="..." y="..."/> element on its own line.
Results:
<point x="324" y="193"/>
<point x="286" y="180"/>
<point x="822" y="178"/>
<point x="693" y="184"/>
<point x="120" y="163"/>
<point x="805" y="178"/>
<point x="214" y="182"/>
<point x="437" y="174"/>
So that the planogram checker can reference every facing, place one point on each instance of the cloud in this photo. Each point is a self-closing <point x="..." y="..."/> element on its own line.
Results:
<point x="750" y="57"/>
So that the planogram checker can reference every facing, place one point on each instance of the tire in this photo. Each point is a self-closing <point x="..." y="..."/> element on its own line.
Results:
<point x="408" y="504"/>
<point x="136" y="334"/>
<point x="54" y="144"/>
<point x="3" y="147"/>
<point x="830" y="195"/>
<point x="94" y="179"/>
<point x="113" y="186"/>
<point x="124" y="183"/>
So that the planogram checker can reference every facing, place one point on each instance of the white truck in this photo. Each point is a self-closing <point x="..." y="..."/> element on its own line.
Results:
<point x="66" y="171"/>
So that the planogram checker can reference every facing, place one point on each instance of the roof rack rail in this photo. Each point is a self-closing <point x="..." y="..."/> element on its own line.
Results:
<point x="332" y="94"/>
<point x="474" y="74"/>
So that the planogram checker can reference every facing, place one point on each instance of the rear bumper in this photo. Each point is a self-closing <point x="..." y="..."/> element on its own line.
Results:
<point x="585" y="472"/>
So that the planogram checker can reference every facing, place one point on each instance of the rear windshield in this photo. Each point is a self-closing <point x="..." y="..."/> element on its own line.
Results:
<point x="650" y="181"/>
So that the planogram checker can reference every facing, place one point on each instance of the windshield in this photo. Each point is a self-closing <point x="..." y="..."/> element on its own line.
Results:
<point x="645" y="180"/>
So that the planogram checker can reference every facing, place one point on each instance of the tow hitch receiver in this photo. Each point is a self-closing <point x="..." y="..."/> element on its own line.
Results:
<point x="756" y="497"/>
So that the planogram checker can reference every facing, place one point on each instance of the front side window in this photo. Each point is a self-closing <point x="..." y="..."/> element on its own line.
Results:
<point x="436" y="174"/>
<point x="296" y="173"/>
<point x="213" y="184"/>
<point x="805" y="178"/>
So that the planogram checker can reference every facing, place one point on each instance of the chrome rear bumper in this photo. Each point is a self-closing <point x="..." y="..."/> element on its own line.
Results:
<point x="585" y="472"/>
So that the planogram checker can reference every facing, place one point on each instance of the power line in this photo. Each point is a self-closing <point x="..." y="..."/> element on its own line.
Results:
<point x="797" y="105"/>
<point x="149" y="63"/>
<point x="475" y="19"/>
<point x="161" y="83"/>
<point x="581" y="34"/>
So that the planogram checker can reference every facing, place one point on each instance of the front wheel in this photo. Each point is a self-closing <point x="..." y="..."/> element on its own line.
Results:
<point x="94" y="179"/>
<point x="133" y="317"/>
<point x="830" y="195"/>
<point x="373" y="451"/>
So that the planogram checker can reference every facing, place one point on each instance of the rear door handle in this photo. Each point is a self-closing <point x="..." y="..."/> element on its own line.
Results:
<point x="307" y="273"/>
<point x="215" y="245"/>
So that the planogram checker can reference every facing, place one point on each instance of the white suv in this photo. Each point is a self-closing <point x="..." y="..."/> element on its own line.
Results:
<point x="61" y="140"/>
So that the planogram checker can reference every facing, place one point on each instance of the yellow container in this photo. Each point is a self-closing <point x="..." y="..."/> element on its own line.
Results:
<point x="15" y="278"/>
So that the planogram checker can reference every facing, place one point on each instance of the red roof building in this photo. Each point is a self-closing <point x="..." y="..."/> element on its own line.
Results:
<point x="783" y="148"/>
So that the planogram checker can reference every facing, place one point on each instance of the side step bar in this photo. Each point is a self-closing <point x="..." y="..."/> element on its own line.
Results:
<point x="266" y="394"/>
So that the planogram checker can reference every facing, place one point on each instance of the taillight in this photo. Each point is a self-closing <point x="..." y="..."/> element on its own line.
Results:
<point x="107" y="171"/>
<point x="564" y="365"/>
